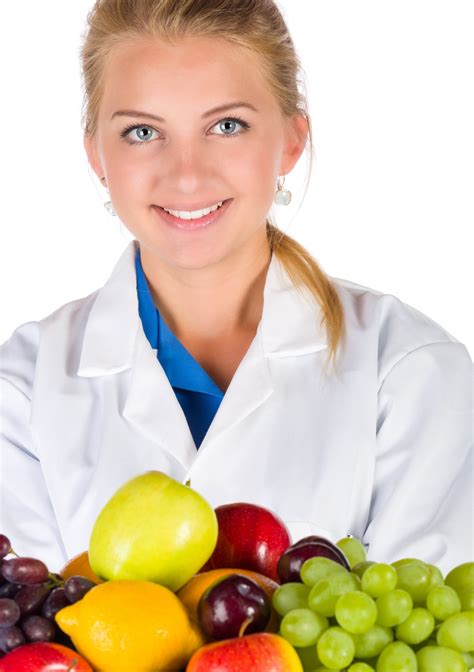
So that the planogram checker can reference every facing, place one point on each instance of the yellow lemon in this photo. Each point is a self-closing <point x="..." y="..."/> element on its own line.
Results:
<point x="126" y="625"/>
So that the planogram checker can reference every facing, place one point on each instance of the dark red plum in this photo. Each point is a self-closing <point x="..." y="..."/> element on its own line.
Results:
<point x="313" y="538"/>
<point x="291" y="560"/>
<point x="228" y="603"/>
<point x="316" y="539"/>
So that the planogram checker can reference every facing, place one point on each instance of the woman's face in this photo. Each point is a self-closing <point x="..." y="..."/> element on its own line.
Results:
<point x="192" y="158"/>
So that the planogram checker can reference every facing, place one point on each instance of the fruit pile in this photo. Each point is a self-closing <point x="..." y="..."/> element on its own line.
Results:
<point x="204" y="590"/>
<point x="374" y="616"/>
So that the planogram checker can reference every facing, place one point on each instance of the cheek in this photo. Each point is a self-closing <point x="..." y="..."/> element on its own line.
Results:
<point x="265" y="160"/>
<point x="127" y="166"/>
<point x="255" y="174"/>
<point x="132" y="180"/>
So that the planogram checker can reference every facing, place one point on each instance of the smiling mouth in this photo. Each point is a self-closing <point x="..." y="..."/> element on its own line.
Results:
<point x="219" y="204"/>
<point x="191" y="223"/>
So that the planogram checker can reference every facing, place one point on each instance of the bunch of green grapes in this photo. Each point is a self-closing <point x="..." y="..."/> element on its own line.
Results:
<point x="379" y="617"/>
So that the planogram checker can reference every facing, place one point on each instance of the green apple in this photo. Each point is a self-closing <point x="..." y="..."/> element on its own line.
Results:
<point x="155" y="529"/>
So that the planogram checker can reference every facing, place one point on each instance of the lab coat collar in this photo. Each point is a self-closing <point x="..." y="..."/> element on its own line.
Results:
<point x="114" y="341"/>
<point x="290" y="323"/>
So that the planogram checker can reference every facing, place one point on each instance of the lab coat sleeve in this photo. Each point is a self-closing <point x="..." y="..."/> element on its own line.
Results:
<point x="422" y="498"/>
<point x="26" y="513"/>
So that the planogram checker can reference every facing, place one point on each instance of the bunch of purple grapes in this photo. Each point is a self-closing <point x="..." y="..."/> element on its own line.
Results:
<point x="30" y="597"/>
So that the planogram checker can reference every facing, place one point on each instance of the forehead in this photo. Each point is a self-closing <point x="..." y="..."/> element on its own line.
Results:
<point x="192" y="69"/>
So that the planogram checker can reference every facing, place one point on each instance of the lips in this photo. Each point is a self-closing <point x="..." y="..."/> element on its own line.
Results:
<point x="193" y="224"/>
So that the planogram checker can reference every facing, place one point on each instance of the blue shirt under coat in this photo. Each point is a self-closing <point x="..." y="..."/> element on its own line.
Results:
<point x="197" y="393"/>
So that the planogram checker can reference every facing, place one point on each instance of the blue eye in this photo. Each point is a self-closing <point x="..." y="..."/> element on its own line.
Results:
<point x="134" y="127"/>
<point x="150" y="130"/>
<point x="234" y="120"/>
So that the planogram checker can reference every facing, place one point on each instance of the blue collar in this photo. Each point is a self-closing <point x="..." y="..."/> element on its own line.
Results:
<point x="182" y="370"/>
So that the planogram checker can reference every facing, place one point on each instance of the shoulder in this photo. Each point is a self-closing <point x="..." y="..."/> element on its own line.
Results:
<point x="19" y="353"/>
<point x="395" y="328"/>
<point x="18" y="357"/>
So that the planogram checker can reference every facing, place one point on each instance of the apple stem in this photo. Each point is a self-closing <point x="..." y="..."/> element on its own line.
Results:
<point x="188" y="482"/>
<point x="73" y="664"/>
<point x="244" y="625"/>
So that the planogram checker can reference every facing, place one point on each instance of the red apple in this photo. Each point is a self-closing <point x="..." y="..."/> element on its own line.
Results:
<point x="250" y="537"/>
<point x="260" y="652"/>
<point x="44" y="657"/>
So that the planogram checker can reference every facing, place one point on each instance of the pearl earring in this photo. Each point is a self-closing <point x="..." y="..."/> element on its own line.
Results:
<point x="282" y="196"/>
<point x="108" y="204"/>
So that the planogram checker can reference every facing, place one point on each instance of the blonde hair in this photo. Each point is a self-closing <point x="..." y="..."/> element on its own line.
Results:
<point x="257" y="25"/>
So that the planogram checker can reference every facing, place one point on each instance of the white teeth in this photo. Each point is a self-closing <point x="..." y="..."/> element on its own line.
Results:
<point x="195" y="214"/>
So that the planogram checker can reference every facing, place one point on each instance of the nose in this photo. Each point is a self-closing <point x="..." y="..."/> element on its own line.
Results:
<point x="189" y="167"/>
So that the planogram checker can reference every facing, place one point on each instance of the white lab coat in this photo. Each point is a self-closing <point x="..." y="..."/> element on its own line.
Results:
<point x="383" y="452"/>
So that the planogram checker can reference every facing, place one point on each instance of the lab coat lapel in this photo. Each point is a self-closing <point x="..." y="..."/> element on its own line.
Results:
<point x="249" y="388"/>
<point x="152" y="407"/>
<point x="287" y="328"/>
<point x="114" y="342"/>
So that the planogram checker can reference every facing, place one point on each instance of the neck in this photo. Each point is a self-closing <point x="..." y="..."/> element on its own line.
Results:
<point x="223" y="300"/>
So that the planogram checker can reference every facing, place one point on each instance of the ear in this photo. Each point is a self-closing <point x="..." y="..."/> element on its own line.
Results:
<point x="297" y="130"/>
<point x="90" y="145"/>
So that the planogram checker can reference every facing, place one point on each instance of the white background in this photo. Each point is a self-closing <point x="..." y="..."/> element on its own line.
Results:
<point x="390" y="203"/>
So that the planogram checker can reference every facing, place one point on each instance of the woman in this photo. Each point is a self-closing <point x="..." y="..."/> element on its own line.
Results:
<point x="206" y="354"/>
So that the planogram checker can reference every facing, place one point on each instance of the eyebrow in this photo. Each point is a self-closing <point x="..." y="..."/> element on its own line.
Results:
<point x="214" y="110"/>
